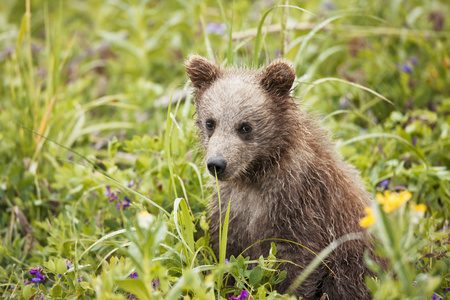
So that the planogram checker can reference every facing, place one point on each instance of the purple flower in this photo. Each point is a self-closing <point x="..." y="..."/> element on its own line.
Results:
<point x="34" y="271"/>
<point x="11" y="287"/>
<point x="414" y="141"/>
<point x="405" y="68"/>
<point x="81" y="278"/>
<point x="113" y="196"/>
<point x="59" y="275"/>
<point x="216" y="28"/>
<point x="244" y="294"/>
<point x="384" y="183"/>
<point x="155" y="283"/>
<point x="435" y="297"/>
<point x="414" y="61"/>
<point x="127" y="202"/>
<point x="235" y="298"/>
<point x="69" y="264"/>
<point x="329" y="5"/>
<point x="227" y="261"/>
<point x="278" y="53"/>
<point x="134" y="275"/>
<point x="38" y="278"/>
<point x="131" y="183"/>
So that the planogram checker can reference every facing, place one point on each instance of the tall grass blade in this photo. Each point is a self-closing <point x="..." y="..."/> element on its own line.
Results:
<point x="111" y="234"/>
<point x="183" y="232"/>
<point x="319" y="258"/>
<point x="346" y="111"/>
<point x="322" y="80"/>
<point x="208" y="46"/>
<point x="167" y="147"/>
<point x="259" y="39"/>
<point x="310" y="35"/>
<point x="384" y="136"/>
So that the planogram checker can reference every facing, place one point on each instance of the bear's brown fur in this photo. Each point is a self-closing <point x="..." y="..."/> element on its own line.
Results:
<point x="282" y="174"/>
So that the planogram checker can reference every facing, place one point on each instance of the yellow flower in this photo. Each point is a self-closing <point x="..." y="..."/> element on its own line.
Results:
<point x="419" y="207"/>
<point x="392" y="201"/>
<point x="369" y="219"/>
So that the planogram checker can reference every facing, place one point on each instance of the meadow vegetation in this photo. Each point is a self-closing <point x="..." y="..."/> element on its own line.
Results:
<point x="103" y="194"/>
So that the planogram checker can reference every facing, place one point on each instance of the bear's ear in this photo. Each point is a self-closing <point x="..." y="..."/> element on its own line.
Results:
<point x="278" y="77"/>
<point x="201" y="71"/>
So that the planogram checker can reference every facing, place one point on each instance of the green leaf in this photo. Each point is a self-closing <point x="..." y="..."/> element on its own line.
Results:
<point x="3" y="274"/>
<point x="56" y="291"/>
<point x="51" y="265"/>
<point x="28" y="291"/>
<point x="134" y="286"/>
<point x="61" y="266"/>
<point x="256" y="275"/>
<point x="281" y="277"/>
<point x="85" y="285"/>
<point x="273" y="249"/>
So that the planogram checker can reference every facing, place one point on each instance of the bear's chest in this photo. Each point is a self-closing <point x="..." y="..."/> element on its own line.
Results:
<point x="249" y="214"/>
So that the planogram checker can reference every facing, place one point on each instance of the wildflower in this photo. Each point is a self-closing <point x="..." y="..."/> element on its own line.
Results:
<point x="216" y="28"/>
<point x="155" y="283"/>
<point x="227" y="261"/>
<point x="435" y="297"/>
<point x="384" y="183"/>
<point x="11" y="287"/>
<point x="134" y="275"/>
<point x="369" y="219"/>
<point x="414" y="141"/>
<point x="127" y="202"/>
<point x="131" y="183"/>
<point x="278" y="53"/>
<point x="329" y="5"/>
<point x="344" y="102"/>
<point x="39" y="277"/>
<point x="113" y="196"/>
<point x="81" y="278"/>
<point x="68" y="264"/>
<point x="59" y="275"/>
<point x="419" y="207"/>
<point x="244" y="294"/>
<point x="392" y="201"/>
<point x="145" y="219"/>
<point x="34" y="271"/>
<point x="405" y="68"/>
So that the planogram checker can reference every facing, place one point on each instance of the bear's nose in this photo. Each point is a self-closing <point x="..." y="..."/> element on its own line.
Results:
<point x="216" y="165"/>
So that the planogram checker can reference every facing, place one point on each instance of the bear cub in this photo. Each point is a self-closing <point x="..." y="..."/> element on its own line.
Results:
<point x="283" y="176"/>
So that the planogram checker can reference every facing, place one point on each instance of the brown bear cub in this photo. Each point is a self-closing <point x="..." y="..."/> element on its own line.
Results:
<point x="282" y="174"/>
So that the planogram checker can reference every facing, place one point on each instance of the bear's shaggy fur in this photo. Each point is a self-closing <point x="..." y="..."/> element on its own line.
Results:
<point x="282" y="174"/>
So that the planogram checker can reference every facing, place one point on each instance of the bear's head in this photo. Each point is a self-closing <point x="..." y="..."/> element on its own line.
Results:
<point x="244" y="116"/>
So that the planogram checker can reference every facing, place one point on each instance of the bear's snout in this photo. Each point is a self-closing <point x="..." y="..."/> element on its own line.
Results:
<point x="216" y="165"/>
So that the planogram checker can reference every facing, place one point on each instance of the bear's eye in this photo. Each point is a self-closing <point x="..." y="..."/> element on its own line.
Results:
<point x="245" y="128"/>
<point x="210" y="124"/>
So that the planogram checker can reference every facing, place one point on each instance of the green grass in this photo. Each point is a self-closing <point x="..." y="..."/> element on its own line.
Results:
<point x="79" y="113"/>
